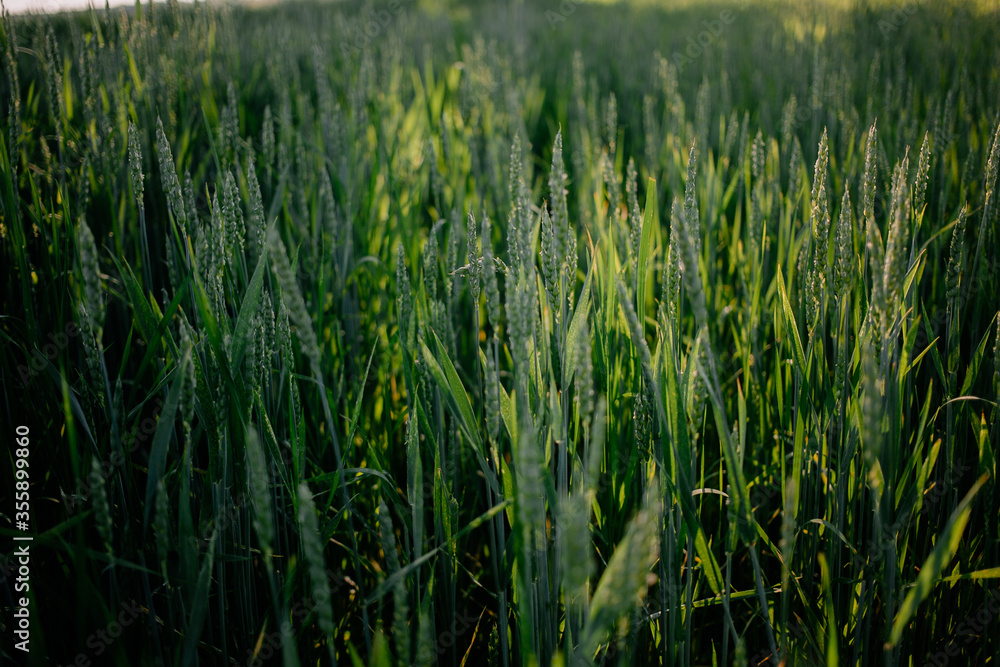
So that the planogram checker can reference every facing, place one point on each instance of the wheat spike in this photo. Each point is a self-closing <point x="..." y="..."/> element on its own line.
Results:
<point x="135" y="163"/>
<point x="260" y="491"/>
<point x="312" y="548"/>
<point x="102" y="509"/>
<point x="820" y="224"/>
<point x="291" y="296"/>
<point x="171" y="184"/>
<point x="897" y="243"/>
<point x="843" y="276"/>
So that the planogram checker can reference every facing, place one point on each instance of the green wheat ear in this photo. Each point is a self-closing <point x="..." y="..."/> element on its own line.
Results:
<point x="312" y="550"/>
<point x="627" y="576"/>
<point x="102" y="509"/>
<point x="292" y="296"/>
<point x="260" y="492"/>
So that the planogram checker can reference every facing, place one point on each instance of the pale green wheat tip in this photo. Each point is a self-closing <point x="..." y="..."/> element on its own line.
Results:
<point x="490" y="282"/>
<point x="923" y="172"/>
<point x="475" y="268"/>
<point x="312" y="548"/>
<point x="102" y="509"/>
<point x="291" y="296"/>
<point x="956" y="259"/>
<point x="260" y="492"/>
<point x="256" y="230"/>
<point x="897" y="244"/>
<point x="135" y="163"/>
<point x="844" y="248"/>
<point x="172" y="184"/>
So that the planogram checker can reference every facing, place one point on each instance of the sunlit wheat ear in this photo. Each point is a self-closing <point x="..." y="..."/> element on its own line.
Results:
<point x="168" y="173"/>
<point x="102" y="510"/>
<point x="404" y="296"/>
<point x="873" y="241"/>
<point x="229" y="124"/>
<point x="550" y="259"/>
<point x="611" y="125"/>
<point x="291" y="296"/>
<point x="820" y="224"/>
<point x="897" y="244"/>
<point x="634" y="213"/>
<point x="652" y="138"/>
<point x="260" y="491"/>
<point x="843" y="254"/>
<point x="795" y="170"/>
<point x="312" y="548"/>
<point x="688" y="263"/>
<point x="756" y="221"/>
<point x="490" y="286"/>
<point x="135" y="164"/>
<point x="583" y="377"/>
<point x="492" y="396"/>
<point x="472" y="255"/>
<point x="671" y="283"/>
<point x="190" y="203"/>
<point x="519" y="219"/>
<point x="563" y="232"/>
<point x="232" y="211"/>
<point x="956" y="258"/>
<point x="257" y="227"/>
<point x="691" y="216"/>
<point x="732" y="137"/>
<point x="267" y="141"/>
<point x="431" y="269"/>
<point x="990" y="181"/>
<point x="642" y="421"/>
<point x="788" y="123"/>
<point x="923" y="174"/>
<point x="611" y="186"/>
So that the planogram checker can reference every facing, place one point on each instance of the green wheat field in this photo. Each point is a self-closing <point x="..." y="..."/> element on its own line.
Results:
<point x="501" y="333"/>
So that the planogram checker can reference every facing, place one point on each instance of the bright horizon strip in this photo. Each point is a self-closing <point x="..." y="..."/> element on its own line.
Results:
<point x="52" y="6"/>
